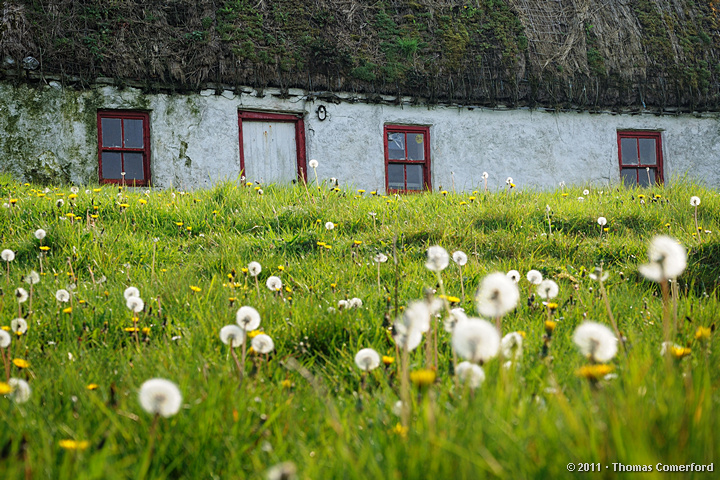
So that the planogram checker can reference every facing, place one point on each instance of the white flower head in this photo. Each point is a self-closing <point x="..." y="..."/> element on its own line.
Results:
<point x="62" y="295"/>
<point x="509" y="180"/>
<point x="476" y="340"/>
<point x="21" y="295"/>
<point x="470" y="374"/>
<point x="329" y="225"/>
<point x="405" y="336"/>
<point x="20" y="390"/>
<point x="32" y="278"/>
<point x="456" y="316"/>
<point x="282" y="471"/>
<point x="381" y="258"/>
<point x="7" y="255"/>
<point x="4" y="339"/>
<point x="534" y="277"/>
<point x="437" y="258"/>
<point x="232" y="335"/>
<point x="263" y="343"/>
<point x="74" y="189"/>
<point x="417" y="316"/>
<point x="668" y="259"/>
<point x="355" y="302"/>
<point x="602" y="221"/>
<point x="274" y="283"/>
<point x="694" y="201"/>
<point x="595" y="341"/>
<point x="131" y="292"/>
<point x="548" y="289"/>
<point x="581" y="199"/>
<point x="497" y="295"/>
<point x="160" y="397"/>
<point x="460" y="257"/>
<point x="254" y="269"/>
<point x="59" y="202"/>
<point x="512" y="346"/>
<point x="586" y="192"/>
<point x="343" y="304"/>
<point x="367" y="359"/>
<point x="513" y="275"/>
<point x="19" y="325"/>
<point x="485" y="175"/>
<point x="135" y="304"/>
<point x="313" y="163"/>
<point x="40" y="234"/>
<point x="248" y="318"/>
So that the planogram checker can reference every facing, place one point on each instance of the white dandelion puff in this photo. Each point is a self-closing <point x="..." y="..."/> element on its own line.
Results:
<point x="367" y="359"/>
<point x="282" y="471"/>
<point x="513" y="275"/>
<point x="313" y="163"/>
<point x="485" y="175"/>
<point x="4" y="339"/>
<point x="509" y="180"/>
<point x="456" y="316"/>
<point x="460" y="257"/>
<point x="20" y="390"/>
<point x="32" y="278"/>
<point x="602" y="221"/>
<point x="470" y="374"/>
<point x="586" y="192"/>
<point x="355" y="303"/>
<point x="329" y="225"/>
<point x="21" y="295"/>
<point x="19" y="325"/>
<point x="232" y="335"/>
<point x="595" y="341"/>
<point x="343" y="304"/>
<point x="534" y="277"/>
<point x="512" y="346"/>
<point x="417" y="316"/>
<point x="160" y="397"/>
<point x="476" y="340"/>
<point x="248" y="318"/>
<point x="548" y="289"/>
<point x="40" y="234"/>
<point x="263" y="343"/>
<point x="74" y="189"/>
<point x="135" y="304"/>
<point x="694" y="201"/>
<point x="131" y="292"/>
<point x="380" y="258"/>
<point x="62" y="295"/>
<point x="437" y="258"/>
<point x="7" y="255"/>
<point x="274" y="283"/>
<point x="668" y="259"/>
<point x="254" y="269"/>
<point x="405" y="336"/>
<point x="497" y="295"/>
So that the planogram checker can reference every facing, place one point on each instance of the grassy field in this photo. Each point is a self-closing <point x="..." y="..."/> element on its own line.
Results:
<point x="307" y="402"/>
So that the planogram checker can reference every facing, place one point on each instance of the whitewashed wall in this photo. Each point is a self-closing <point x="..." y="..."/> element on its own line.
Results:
<point x="50" y="133"/>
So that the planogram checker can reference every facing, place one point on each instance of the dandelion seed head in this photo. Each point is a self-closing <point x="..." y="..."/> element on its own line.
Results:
<point x="262" y="343"/>
<point x="668" y="259"/>
<point x="485" y="175"/>
<point x="355" y="303"/>
<point x="460" y="257"/>
<point x="232" y="335"/>
<point x="131" y="292"/>
<point x="135" y="304"/>
<point x="602" y="221"/>
<point x="4" y="339"/>
<point x="274" y="283"/>
<point x="329" y="225"/>
<point x="405" y="336"/>
<point x="40" y="234"/>
<point x="437" y="259"/>
<point x="694" y="201"/>
<point x="254" y="269"/>
<point x="32" y="278"/>
<point x="62" y="295"/>
<point x="160" y="397"/>
<point x="512" y="346"/>
<point x="509" y="180"/>
<point x="595" y="341"/>
<point x="7" y="255"/>
<point x="497" y="295"/>
<point x="456" y="316"/>
<point x="513" y="275"/>
<point x="21" y="295"/>
<point x="19" y="325"/>
<point x="548" y="289"/>
<point x="381" y="258"/>
<point x="248" y="318"/>
<point x="20" y="390"/>
<point x="476" y="340"/>
<point x="586" y="192"/>
<point x="470" y="374"/>
<point x="367" y="359"/>
<point x="534" y="277"/>
<point x="282" y="471"/>
<point x="313" y="163"/>
<point x="417" y="316"/>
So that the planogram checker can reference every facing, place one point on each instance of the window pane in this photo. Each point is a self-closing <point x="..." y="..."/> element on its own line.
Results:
<point x="629" y="151"/>
<point x="647" y="151"/>
<point x="396" y="146"/>
<point x="111" y="132"/>
<point x="414" y="177"/>
<point x="629" y="177"/>
<point x="416" y="146"/>
<point x="133" y="167"/>
<point x="133" y="133"/>
<point x="111" y="165"/>
<point x="646" y="178"/>
<point x="396" y="176"/>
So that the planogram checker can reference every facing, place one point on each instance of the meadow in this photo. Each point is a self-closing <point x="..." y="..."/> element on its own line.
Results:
<point x="306" y="410"/>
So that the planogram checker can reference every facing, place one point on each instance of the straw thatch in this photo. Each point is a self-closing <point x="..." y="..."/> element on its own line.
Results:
<point x="587" y="54"/>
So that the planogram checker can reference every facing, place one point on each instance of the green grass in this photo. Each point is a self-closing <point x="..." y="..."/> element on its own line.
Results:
<point x="530" y="421"/>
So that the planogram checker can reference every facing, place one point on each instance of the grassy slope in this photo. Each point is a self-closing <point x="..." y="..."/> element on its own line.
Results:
<point x="541" y="417"/>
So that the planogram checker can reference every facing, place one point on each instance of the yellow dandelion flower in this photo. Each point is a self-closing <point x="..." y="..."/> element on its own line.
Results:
<point x="667" y="225"/>
<point x="179" y="224"/>
<point x="564" y="195"/>
<point x="550" y="326"/>
<point x="361" y="191"/>
<point x="13" y="201"/>
<point x="328" y="247"/>
<point x="73" y="444"/>
<point x="142" y="201"/>
<point x="94" y="216"/>
<point x="512" y="185"/>
<point x="96" y="207"/>
<point x="20" y="363"/>
<point x="605" y="229"/>
<point x="472" y="199"/>
<point x="321" y="244"/>
<point x="450" y="298"/>
<point x="249" y="184"/>
<point x="131" y="329"/>
<point x="281" y="267"/>
<point x="702" y="333"/>
<point x="146" y="330"/>
<point x="463" y="203"/>
<point x="81" y="302"/>
<point x="286" y="383"/>
<point x="189" y="229"/>
<point x="679" y="352"/>
<point x="97" y="190"/>
<point x="641" y="196"/>
<point x="244" y="270"/>
<point x="594" y="372"/>
<point x="44" y="248"/>
<point x="72" y="196"/>
<point x="333" y="285"/>
<point x="40" y="195"/>
<point x="400" y="430"/>
<point x="195" y="288"/>
<point x="658" y="196"/>
<point x="423" y="377"/>
<point x="67" y="310"/>
<point x="444" y="192"/>
<point x="5" y="388"/>
<point x="521" y="333"/>
<point x="374" y="192"/>
<point x="357" y="242"/>
<point x="92" y="386"/>
<point x="387" y="360"/>
<point x="124" y="205"/>
<point x="552" y="306"/>
<point x="253" y="333"/>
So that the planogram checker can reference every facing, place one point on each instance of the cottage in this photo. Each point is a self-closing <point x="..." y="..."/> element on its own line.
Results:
<point x="389" y="95"/>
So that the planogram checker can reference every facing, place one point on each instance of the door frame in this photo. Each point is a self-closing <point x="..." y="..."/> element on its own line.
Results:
<point x="295" y="118"/>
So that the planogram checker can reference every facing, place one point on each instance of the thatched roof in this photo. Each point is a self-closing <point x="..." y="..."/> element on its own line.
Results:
<point x="587" y="54"/>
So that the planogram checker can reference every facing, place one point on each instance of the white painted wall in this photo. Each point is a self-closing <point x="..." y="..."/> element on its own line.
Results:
<point x="195" y="141"/>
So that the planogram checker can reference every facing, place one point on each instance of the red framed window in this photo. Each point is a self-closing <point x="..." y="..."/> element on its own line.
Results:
<point x="272" y="146"/>
<point x="407" y="158"/>
<point x="641" y="160"/>
<point x="124" y="147"/>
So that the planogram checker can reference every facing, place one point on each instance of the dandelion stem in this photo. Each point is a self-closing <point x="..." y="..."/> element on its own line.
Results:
<point x="151" y="446"/>
<point x="405" y="388"/>
<point x="666" y="310"/>
<point x="378" y="278"/>
<point x="241" y="367"/>
<point x="697" y="229"/>
<point x="6" y="362"/>
<point x="257" y="286"/>
<point x="237" y="363"/>
<point x="609" y="310"/>
<point x="462" y="283"/>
